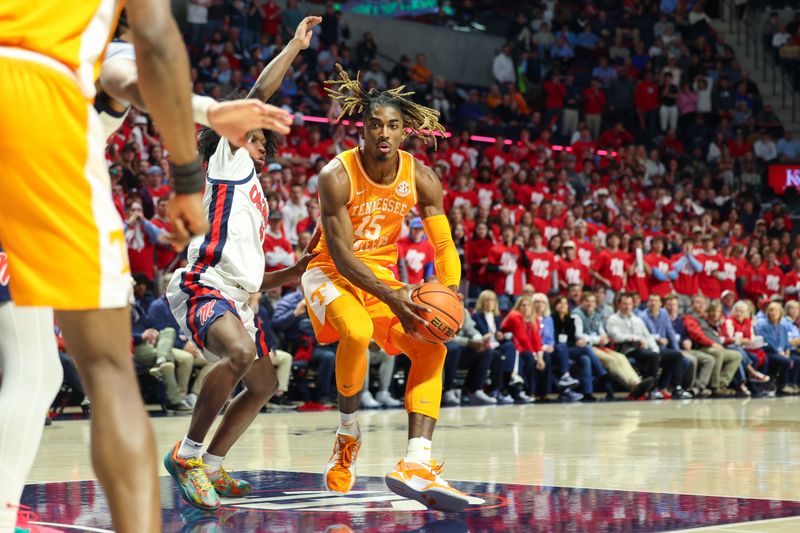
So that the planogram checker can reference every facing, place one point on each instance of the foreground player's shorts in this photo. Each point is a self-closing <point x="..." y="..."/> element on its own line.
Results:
<point x="58" y="224"/>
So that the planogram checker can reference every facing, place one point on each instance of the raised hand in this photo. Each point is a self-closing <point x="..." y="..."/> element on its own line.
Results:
<point x="303" y="32"/>
<point x="235" y="119"/>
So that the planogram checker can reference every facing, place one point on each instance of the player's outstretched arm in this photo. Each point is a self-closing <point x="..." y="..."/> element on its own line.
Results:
<point x="334" y="192"/>
<point x="279" y="278"/>
<point x="437" y="227"/>
<point x="270" y="78"/>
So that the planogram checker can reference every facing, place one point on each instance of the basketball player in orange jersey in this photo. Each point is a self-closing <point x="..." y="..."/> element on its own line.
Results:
<point x="63" y="236"/>
<point x="352" y="296"/>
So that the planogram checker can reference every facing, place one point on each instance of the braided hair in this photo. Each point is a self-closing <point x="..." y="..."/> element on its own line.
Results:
<point x="422" y="121"/>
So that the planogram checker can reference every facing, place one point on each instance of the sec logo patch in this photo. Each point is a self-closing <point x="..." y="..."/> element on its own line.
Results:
<point x="402" y="189"/>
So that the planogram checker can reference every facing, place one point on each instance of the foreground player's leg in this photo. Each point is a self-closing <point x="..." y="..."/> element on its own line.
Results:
<point x="417" y="476"/>
<point x="99" y="341"/>
<point x="261" y="382"/>
<point x="348" y="316"/>
<point x="228" y="338"/>
<point x="31" y="379"/>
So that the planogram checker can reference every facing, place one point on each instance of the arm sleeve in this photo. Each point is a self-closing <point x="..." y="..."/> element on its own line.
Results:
<point x="152" y="231"/>
<point x="660" y="276"/>
<point x="696" y="265"/>
<point x="448" y="266"/>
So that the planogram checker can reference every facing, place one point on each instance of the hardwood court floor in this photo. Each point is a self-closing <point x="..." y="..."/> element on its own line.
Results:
<point x="741" y="457"/>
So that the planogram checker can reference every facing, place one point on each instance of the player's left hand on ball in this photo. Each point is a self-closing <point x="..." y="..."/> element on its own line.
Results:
<point x="188" y="219"/>
<point x="235" y="119"/>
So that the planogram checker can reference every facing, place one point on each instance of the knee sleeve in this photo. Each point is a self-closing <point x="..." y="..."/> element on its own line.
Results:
<point x="424" y="387"/>
<point x="355" y="332"/>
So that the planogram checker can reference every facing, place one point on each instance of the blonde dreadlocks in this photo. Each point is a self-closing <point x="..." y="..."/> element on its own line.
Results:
<point x="422" y="121"/>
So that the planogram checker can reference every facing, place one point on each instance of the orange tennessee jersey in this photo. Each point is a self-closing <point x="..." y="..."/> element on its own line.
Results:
<point x="376" y="211"/>
<point x="71" y="32"/>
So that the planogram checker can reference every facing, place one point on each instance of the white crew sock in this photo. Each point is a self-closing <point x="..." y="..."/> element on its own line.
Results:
<point x="190" y="449"/>
<point x="418" y="450"/>
<point x="213" y="464"/>
<point x="32" y="375"/>
<point x="348" y="424"/>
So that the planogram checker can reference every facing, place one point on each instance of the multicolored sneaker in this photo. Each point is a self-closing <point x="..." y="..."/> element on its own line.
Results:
<point x="228" y="487"/>
<point x="423" y="482"/>
<point x="340" y="474"/>
<point x="195" y="487"/>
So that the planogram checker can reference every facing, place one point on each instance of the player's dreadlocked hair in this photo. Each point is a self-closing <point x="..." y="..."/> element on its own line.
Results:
<point x="208" y="139"/>
<point x="422" y="121"/>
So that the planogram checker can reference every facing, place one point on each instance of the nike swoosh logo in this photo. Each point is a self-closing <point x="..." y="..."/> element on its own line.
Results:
<point x="424" y="401"/>
<point x="362" y="191"/>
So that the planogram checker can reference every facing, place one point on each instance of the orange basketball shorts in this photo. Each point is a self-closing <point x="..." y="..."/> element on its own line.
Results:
<point x="58" y="225"/>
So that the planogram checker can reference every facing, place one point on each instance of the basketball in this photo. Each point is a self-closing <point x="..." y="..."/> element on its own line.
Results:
<point x="444" y="317"/>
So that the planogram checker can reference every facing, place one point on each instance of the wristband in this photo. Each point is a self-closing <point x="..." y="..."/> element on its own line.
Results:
<point x="188" y="177"/>
<point x="200" y="107"/>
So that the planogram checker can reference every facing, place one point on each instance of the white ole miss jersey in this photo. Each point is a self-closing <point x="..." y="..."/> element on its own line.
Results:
<point x="237" y="214"/>
<point x="112" y="120"/>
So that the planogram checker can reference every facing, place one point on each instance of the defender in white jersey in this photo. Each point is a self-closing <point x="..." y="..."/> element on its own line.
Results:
<point x="209" y="299"/>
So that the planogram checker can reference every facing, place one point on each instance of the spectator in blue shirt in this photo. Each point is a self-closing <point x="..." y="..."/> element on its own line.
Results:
<point x="782" y="363"/>
<point x="587" y="39"/>
<point x="789" y="147"/>
<point x="659" y="325"/>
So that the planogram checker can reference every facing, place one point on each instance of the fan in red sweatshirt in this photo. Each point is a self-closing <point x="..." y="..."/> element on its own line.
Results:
<point x="542" y="265"/>
<point x="508" y="263"/>
<point x="570" y="269"/>
<point x="610" y="265"/>
<point x="524" y="330"/>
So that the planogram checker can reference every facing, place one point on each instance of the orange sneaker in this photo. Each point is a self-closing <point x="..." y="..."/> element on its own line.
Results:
<point x="340" y="474"/>
<point x="424" y="483"/>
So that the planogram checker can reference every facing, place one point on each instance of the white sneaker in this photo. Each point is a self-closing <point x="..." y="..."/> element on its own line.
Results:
<point x="424" y="483"/>
<point x="367" y="401"/>
<point x="450" y="398"/>
<point x="523" y="397"/>
<point x="567" y="382"/>
<point x="481" y="398"/>
<point x="191" y="399"/>
<point x="385" y="399"/>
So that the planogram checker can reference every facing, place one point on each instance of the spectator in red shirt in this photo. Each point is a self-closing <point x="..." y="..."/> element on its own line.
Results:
<point x="615" y="137"/>
<point x="415" y="255"/>
<point x="610" y="265"/>
<point x="554" y="94"/>
<point x="754" y="286"/>
<point x="660" y="278"/>
<point x="647" y="101"/>
<point x="638" y="270"/>
<point x="477" y="256"/>
<point x="165" y="253"/>
<point x="594" y="102"/>
<point x="772" y="274"/>
<point x="543" y="273"/>
<point x="277" y="249"/>
<point x="570" y="269"/>
<point x="713" y="271"/>
<point x="508" y="262"/>
<point x="524" y="328"/>
<point x="496" y="154"/>
<point x="671" y="145"/>
<point x="141" y="237"/>
<point x="791" y="282"/>
<point x="739" y="146"/>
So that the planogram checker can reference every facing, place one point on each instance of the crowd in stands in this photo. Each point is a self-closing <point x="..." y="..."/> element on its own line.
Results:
<point x="612" y="235"/>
